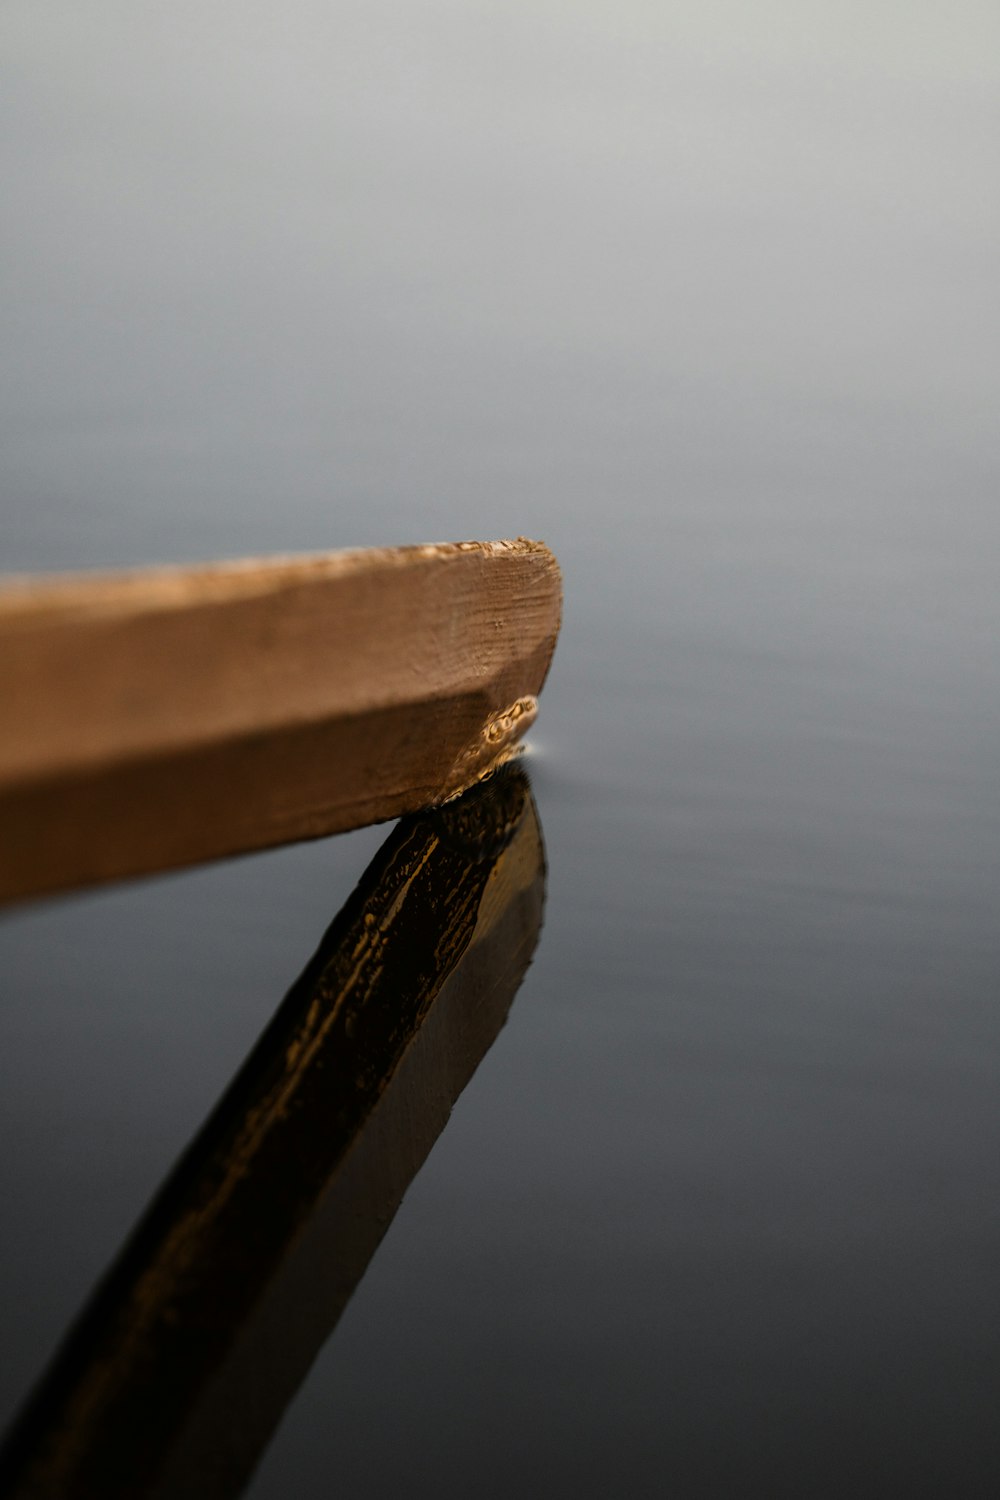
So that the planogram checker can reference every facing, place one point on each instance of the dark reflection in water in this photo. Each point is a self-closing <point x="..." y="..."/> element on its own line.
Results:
<point x="182" y="1365"/>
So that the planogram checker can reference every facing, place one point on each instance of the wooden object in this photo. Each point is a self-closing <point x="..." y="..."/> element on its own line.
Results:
<point x="153" y="719"/>
<point x="176" y="1375"/>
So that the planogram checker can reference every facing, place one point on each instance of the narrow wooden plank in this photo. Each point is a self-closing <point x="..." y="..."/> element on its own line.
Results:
<point x="153" y="719"/>
<point x="176" y="1375"/>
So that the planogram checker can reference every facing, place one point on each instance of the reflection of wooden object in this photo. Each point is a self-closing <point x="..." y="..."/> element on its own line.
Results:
<point x="153" y="719"/>
<point x="176" y="1376"/>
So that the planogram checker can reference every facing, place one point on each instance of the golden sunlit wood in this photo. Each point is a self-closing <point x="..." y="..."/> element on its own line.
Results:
<point x="154" y="719"/>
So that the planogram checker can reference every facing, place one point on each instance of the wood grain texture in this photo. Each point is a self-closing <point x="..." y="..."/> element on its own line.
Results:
<point x="177" y="1373"/>
<point x="155" y="719"/>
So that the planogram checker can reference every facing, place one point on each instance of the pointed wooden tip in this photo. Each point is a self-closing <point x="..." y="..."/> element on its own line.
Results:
<point x="157" y="718"/>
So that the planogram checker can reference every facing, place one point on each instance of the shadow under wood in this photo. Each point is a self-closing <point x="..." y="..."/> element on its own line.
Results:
<point x="179" y="1370"/>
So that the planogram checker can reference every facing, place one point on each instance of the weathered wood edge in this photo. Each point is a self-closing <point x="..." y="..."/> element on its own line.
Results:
<point x="154" y="719"/>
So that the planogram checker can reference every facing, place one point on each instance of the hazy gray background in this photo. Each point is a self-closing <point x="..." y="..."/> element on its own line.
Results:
<point x="706" y="296"/>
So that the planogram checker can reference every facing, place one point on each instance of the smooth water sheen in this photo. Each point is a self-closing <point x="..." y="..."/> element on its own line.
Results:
<point x="706" y="298"/>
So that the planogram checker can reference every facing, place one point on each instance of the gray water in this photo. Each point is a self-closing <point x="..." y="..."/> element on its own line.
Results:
<point x="706" y="297"/>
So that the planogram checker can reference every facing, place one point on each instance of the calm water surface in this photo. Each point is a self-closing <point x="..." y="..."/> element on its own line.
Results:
<point x="708" y="301"/>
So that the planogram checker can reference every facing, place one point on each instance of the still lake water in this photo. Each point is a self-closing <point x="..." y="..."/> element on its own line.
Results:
<point x="707" y="299"/>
